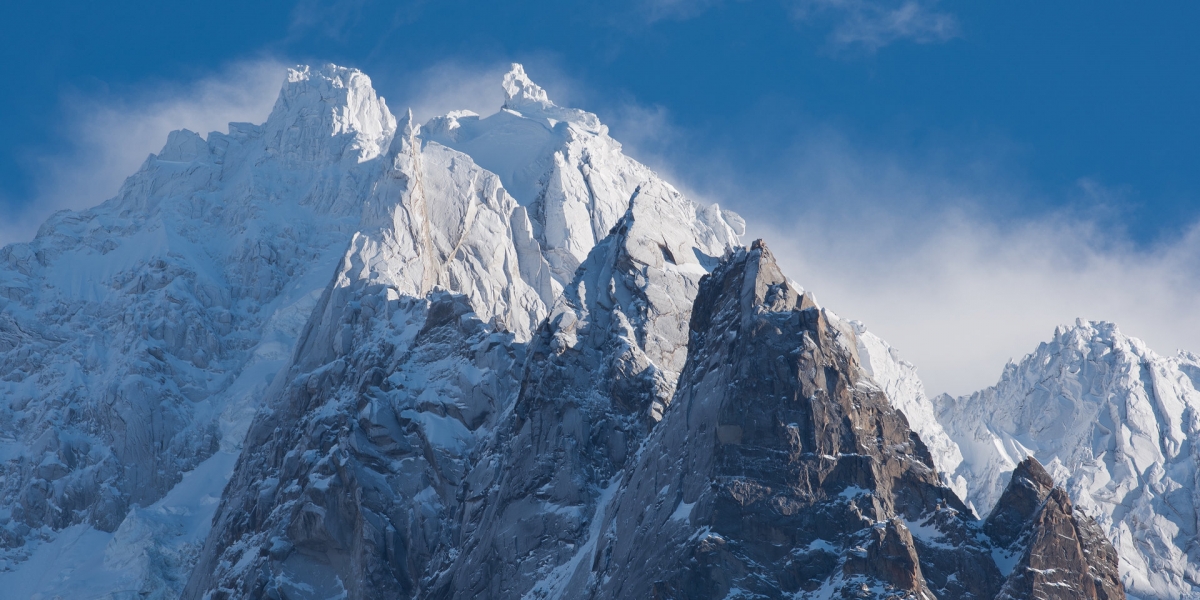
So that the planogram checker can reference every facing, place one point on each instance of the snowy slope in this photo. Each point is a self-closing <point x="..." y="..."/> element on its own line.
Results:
<point x="1114" y="422"/>
<point x="136" y="337"/>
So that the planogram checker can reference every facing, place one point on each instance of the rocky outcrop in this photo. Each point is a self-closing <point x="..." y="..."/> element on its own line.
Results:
<point x="608" y="459"/>
<point x="780" y="468"/>
<point x="1061" y="554"/>
<point x="364" y="456"/>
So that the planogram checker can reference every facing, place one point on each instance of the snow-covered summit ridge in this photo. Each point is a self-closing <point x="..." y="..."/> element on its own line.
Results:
<point x="321" y="113"/>
<point x="561" y="165"/>
<point x="519" y="89"/>
<point x="1117" y="425"/>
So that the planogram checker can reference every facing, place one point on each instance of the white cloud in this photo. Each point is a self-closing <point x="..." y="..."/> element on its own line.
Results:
<point x="110" y="139"/>
<point x="967" y="296"/>
<point x="922" y="251"/>
<point x="961" y="292"/>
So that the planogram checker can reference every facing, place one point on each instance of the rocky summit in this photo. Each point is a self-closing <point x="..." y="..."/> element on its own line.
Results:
<point x="344" y="354"/>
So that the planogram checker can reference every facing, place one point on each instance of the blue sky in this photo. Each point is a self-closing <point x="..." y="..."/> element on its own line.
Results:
<point x="877" y="141"/>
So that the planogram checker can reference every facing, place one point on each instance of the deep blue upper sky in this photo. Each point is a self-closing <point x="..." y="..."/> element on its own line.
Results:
<point x="1052" y="92"/>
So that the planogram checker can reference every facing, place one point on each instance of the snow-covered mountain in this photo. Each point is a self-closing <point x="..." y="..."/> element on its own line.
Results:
<point x="344" y="354"/>
<point x="138" y="336"/>
<point x="1115" y="423"/>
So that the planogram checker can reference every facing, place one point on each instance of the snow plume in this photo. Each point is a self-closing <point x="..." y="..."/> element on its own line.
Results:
<point x="111" y="137"/>
<point x="449" y="85"/>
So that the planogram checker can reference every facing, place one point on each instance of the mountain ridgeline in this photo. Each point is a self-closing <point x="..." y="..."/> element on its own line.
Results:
<point x="343" y="354"/>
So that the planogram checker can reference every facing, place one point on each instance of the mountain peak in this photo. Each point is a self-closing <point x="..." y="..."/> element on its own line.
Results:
<point x="1105" y="414"/>
<point x="520" y="90"/>
<point x="524" y="97"/>
<point x="328" y="111"/>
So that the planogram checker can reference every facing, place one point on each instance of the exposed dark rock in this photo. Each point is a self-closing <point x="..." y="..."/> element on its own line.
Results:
<point x="1029" y="487"/>
<point x="1063" y="554"/>
<point x="780" y="468"/>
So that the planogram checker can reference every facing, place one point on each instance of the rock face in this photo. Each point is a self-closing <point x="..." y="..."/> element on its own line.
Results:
<point x="599" y="376"/>
<point x="1061" y="553"/>
<point x="1116" y="424"/>
<point x="904" y="390"/>
<point x="345" y="355"/>
<point x="781" y="469"/>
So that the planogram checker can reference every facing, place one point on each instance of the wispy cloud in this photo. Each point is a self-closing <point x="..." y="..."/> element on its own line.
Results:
<point x="864" y="24"/>
<point x="659" y="10"/>
<point x="110" y="138"/>
<point x="872" y="24"/>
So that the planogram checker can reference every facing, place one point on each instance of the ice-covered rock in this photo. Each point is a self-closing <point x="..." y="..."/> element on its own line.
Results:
<point x="557" y="162"/>
<point x="600" y="373"/>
